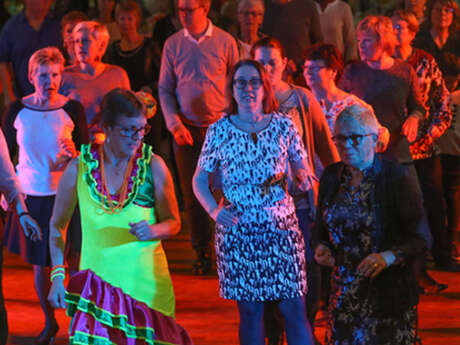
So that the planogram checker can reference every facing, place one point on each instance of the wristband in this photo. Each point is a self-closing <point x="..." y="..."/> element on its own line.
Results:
<point x="389" y="257"/>
<point x="57" y="271"/>
<point x="55" y="275"/>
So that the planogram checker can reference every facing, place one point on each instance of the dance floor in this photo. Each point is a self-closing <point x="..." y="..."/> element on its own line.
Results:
<point x="209" y="319"/>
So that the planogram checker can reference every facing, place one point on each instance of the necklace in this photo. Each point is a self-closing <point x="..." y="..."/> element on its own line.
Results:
<point x="112" y="205"/>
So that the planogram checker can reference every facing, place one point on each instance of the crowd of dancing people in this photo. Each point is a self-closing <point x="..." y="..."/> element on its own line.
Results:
<point x="315" y="142"/>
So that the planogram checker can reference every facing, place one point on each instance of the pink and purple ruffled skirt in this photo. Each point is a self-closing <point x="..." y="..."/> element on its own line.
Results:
<point x="102" y="314"/>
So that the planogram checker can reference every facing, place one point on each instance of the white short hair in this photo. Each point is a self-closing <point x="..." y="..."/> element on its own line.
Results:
<point x="363" y="115"/>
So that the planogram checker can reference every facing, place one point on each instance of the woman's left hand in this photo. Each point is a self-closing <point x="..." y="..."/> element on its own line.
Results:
<point x="372" y="265"/>
<point x="410" y="128"/>
<point x="142" y="230"/>
<point x="383" y="139"/>
<point x="31" y="228"/>
<point x="303" y="180"/>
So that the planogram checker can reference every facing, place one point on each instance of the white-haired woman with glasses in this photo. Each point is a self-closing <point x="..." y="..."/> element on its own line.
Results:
<point x="367" y="230"/>
<point x="250" y="16"/>
<point x="259" y="246"/>
<point x="127" y="205"/>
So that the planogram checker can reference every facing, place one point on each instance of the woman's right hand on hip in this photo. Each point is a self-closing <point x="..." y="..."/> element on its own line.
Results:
<point x="222" y="215"/>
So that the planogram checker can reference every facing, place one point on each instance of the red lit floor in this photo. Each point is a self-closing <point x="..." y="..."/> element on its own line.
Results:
<point x="209" y="319"/>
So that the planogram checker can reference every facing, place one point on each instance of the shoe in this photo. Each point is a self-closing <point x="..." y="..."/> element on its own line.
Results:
<point x="202" y="264"/>
<point x="276" y="339"/>
<point x="47" y="336"/>
<point x="432" y="289"/>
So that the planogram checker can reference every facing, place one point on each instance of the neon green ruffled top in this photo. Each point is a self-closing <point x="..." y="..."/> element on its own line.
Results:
<point x="139" y="268"/>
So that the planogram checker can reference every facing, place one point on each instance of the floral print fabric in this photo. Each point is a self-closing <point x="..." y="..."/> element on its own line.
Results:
<point x="435" y="98"/>
<point x="337" y="107"/>
<point x="353" y="232"/>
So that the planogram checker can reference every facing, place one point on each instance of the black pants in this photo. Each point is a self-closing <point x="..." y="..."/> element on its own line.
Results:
<point x="201" y="225"/>
<point x="451" y="182"/>
<point x="430" y="176"/>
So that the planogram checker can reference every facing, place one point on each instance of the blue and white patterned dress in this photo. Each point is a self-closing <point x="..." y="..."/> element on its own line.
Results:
<point x="261" y="258"/>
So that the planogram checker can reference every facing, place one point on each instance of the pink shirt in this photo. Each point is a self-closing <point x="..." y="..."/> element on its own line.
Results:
<point x="90" y="90"/>
<point x="194" y="75"/>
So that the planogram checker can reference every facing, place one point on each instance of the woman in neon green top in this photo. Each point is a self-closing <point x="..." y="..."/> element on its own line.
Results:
<point x="123" y="292"/>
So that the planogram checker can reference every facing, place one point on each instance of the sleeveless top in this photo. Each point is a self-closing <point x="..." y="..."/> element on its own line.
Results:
<point x="139" y="268"/>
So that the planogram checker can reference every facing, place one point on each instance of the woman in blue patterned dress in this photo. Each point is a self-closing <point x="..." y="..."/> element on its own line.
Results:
<point x="367" y="229"/>
<point x="260" y="249"/>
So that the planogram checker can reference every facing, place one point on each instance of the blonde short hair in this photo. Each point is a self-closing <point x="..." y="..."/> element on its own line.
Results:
<point x="382" y="27"/>
<point x="45" y="56"/>
<point x="97" y="30"/>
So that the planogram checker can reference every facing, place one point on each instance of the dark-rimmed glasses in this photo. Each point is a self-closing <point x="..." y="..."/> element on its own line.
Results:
<point x="133" y="131"/>
<point x="242" y="83"/>
<point x="251" y="13"/>
<point x="353" y="139"/>
<point x="445" y="9"/>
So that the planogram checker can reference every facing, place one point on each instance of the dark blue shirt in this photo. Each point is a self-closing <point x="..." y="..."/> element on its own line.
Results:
<point x="18" y="41"/>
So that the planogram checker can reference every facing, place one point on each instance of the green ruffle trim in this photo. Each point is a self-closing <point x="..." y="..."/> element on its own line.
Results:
<point x="76" y="302"/>
<point x="141" y="165"/>
<point x="81" y="338"/>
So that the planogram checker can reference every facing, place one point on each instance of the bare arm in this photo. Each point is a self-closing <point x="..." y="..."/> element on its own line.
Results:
<point x="9" y="185"/>
<point x="166" y="203"/>
<point x="302" y="173"/>
<point x="200" y="184"/>
<point x="218" y="212"/>
<point x="64" y="205"/>
<point x="6" y="80"/>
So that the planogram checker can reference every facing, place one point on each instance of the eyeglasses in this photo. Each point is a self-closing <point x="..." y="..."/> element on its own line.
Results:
<point x="242" y="83"/>
<point x="399" y="27"/>
<point x="133" y="131"/>
<point x="188" y="10"/>
<point x="313" y="69"/>
<point x="353" y="139"/>
<point x="444" y="9"/>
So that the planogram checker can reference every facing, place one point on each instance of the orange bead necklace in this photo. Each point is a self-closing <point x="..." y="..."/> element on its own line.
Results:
<point x="113" y="206"/>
